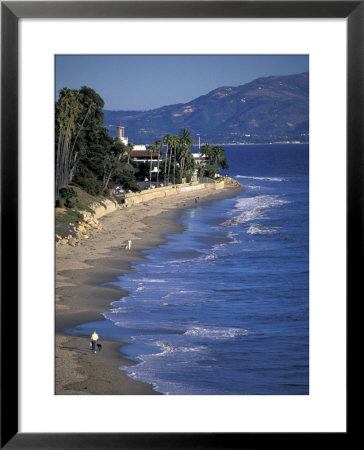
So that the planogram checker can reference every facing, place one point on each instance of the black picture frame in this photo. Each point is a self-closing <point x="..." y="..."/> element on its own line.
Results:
<point x="11" y="12"/>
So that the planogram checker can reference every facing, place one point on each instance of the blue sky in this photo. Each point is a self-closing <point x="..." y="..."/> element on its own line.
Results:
<point x="136" y="82"/>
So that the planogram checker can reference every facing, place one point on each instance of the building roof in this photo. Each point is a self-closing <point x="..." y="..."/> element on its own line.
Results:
<point x="143" y="154"/>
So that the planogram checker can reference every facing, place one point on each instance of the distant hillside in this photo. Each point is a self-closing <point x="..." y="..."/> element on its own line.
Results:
<point x="268" y="109"/>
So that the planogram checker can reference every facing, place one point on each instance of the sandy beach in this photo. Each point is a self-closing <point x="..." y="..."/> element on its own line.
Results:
<point x="80" y="298"/>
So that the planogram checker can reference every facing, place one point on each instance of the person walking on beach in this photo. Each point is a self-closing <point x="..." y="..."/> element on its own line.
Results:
<point x="93" y="341"/>
<point x="129" y="244"/>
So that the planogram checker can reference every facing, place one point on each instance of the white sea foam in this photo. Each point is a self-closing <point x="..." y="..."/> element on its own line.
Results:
<point x="168" y="348"/>
<point x="258" y="201"/>
<point x="117" y="302"/>
<point x="233" y="239"/>
<point x="252" y="208"/>
<point x="216" y="332"/>
<point x="153" y="280"/>
<point x="261" y="178"/>
<point x="256" y="228"/>
<point x="116" y="311"/>
<point x="208" y="257"/>
<point x="252" y="187"/>
<point x="180" y="261"/>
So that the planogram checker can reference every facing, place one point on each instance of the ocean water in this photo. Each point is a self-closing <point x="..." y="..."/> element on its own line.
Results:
<point x="223" y="307"/>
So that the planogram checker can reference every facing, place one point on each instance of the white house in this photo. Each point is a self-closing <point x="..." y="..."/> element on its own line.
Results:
<point x="199" y="158"/>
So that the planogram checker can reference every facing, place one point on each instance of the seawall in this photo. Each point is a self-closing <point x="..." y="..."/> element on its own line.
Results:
<point x="84" y="228"/>
<point x="166" y="191"/>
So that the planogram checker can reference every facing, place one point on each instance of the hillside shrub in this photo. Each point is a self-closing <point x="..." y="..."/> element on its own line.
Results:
<point x="68" y="217"/>
<point x="70" y="203"/>
<point x="81" y="206"/>
<point x="67" y="192"/>
<point x="90" y="184"/>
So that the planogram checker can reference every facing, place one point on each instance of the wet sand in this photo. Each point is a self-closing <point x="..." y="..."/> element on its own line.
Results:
<point x="80" y="298"/>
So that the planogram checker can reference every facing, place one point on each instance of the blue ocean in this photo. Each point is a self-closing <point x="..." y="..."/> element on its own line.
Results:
<point x="223" y="307"/>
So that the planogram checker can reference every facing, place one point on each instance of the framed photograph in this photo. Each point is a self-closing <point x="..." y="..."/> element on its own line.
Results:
<point x="317" y="52"/>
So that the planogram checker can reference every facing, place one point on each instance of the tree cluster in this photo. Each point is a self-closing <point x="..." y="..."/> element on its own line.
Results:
<point x="85" y="154"/>
<point x="216" y="159"/>
<point x="179" y="162"/>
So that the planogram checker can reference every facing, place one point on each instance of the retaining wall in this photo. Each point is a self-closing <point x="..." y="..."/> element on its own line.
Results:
<point x="160" y="192"/>
<point x="100" y="210"/>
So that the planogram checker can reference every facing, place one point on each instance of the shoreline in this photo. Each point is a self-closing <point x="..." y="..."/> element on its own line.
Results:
<point x="80" y="298"/>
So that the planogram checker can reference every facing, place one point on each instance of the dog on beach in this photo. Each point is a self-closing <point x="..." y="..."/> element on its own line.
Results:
<point x="99" y="347"/>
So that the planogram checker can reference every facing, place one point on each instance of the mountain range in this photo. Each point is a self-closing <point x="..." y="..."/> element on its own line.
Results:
<point x="270" y="109"/>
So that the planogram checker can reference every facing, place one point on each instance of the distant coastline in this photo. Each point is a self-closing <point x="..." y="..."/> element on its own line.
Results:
<point x="250" y="143"/>
<point x="269" y="109"/>
<point x="263" y="143"/>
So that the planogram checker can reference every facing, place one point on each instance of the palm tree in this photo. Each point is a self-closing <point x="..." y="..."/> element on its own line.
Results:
<point x="185" y="136"/>
<point x="174" y="144"/>
<point x="183" y="152"/>
<point x="68" y="111"/>
<point x="189" y="166"/>
<point x="215" y="155"/>
<point x="220" y="159"/>
<point x="159" y="147"/>
<point x="187" y="142"/>
<point x="205" y="150"/>
<point x="128" y="150"/>
<point x="167" y="140"/>
<point x="151" y="151"/>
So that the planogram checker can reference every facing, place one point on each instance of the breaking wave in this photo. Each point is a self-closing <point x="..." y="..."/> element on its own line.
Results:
<point x="252" y="208"/>
<point x="256" y="228"/>
<point x="168" y="348"/>
<point x="261" y="178"/>
<point x="216" y="332"/>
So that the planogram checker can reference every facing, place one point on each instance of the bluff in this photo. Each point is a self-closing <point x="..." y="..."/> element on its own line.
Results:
<point x="270" y="109"/>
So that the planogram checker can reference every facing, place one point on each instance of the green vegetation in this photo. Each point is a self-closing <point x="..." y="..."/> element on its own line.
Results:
<point x="68" y="217"/>
<point x="69" y="198"/>
<point x="71" y="204"/>
<point x="178" y="152"/>
<point x="89" y="160"/>
<point x="216" y="158"/>
<point x="86" y="155"/>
